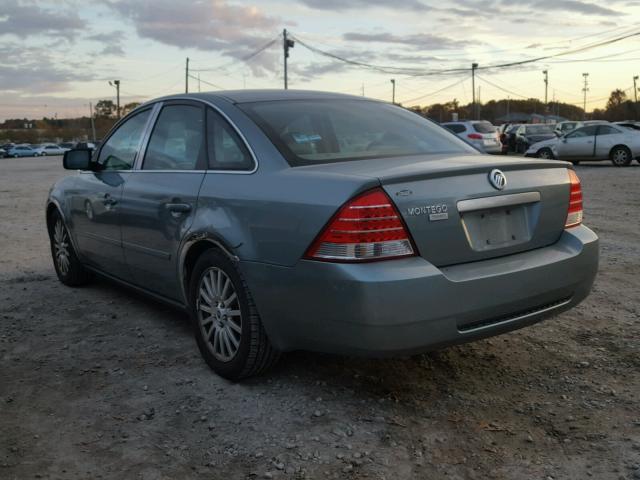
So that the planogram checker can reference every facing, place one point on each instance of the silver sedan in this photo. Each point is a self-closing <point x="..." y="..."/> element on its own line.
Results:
<point x="594" y="142"/>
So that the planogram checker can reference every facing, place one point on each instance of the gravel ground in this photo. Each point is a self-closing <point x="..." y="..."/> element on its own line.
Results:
<point x="101" y="383"/>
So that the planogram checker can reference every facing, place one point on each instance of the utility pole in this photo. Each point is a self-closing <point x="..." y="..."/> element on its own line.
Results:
<point x="585" y="89"/>
<point x="116" y="83"/>
<point x="473" y="89"/>
<point x="393" y="91"/>
<point x="546" y="87"/>
<point x="363" y="89"/>
<point x="635" y="95"/>
<point x="286" y="44"/>
<point x="198" y="82"/>
<point x="508" y="100"/>
<point x="93" y="125"/>
<point x="186" y="77"/>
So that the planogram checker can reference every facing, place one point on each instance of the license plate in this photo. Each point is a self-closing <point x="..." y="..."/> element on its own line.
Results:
<point x="497" y="228"/>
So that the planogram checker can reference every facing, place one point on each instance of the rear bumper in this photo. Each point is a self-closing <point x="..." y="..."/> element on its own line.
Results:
<point x="409" y="305"/>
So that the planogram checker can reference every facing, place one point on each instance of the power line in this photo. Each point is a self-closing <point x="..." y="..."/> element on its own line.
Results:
<point x="207" y="83"/>
<point x="430" y="94"/>
<point x="244" y="59"/>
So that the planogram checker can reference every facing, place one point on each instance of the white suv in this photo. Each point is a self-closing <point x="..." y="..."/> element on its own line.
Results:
<point x="479" y="133"/>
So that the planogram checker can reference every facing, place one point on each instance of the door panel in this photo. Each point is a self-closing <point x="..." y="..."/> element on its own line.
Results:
<point x="94" y="213"/>
<point x="578" y="144"/>
<point x="606" y="139"/>
<point x="159" y="201"/>
<point x="157" y="210"/>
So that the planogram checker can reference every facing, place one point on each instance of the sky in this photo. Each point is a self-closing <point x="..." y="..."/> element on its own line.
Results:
<point x="57" y="57"/>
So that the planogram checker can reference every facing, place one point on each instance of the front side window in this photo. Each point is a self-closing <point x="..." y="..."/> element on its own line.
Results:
<point x="607" y="130"/>
<point x="583" y="132"/>
<point x="319" y="131"/>
<point x="177" y="140"/>
<point x="226" y="149"/>
<point x="120" y="149"/>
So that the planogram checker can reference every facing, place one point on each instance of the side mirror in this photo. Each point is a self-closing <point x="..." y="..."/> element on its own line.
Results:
<point x="77" y="159"/>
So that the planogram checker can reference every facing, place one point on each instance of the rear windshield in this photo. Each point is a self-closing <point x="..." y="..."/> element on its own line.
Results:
<point x="539" y="129"/>
<point x="317" y="131"/>
<point x="483" y="127"/>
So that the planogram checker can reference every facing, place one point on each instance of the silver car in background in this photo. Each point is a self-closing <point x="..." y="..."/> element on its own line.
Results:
<point x="479" y="133"/>
<point x="292" y="220"/>
<point x="604" y="141"/>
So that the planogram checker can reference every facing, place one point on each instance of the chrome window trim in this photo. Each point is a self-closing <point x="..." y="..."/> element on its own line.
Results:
<point x="146" y="135"/>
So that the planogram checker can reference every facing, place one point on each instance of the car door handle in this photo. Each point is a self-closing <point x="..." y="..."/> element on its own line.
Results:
<point x="108" y="200"/>
<point x="178" y="208"/>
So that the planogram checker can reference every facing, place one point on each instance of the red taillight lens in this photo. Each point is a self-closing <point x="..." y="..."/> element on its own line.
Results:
<point x="475" y="136"/>
<point x="574" y="214"/>
<point x="366" y="228"/>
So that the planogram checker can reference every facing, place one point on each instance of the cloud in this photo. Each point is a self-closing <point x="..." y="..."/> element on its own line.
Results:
<point x="213" y="26"/>
<point x="111" y="42"/>
<point x="573" y="6"/>
<point x="24" y="19"/>
<point x="335" y="5"/>
<point x="421" y="41"/>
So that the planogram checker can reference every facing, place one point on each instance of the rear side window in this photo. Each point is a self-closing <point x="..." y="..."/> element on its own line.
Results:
<point x="119" y="151"/>
<point x="177" y="141"/>
<point x="226" y="149"/>
<point x="331" y="130"/>
<point x="455" y="127"/>
<point x="483" y="127"/>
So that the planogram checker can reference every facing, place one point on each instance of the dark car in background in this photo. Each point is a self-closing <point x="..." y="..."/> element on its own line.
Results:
<point x="528" y="134"/>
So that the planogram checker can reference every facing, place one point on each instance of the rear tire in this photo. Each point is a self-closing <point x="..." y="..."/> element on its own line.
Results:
<point x="65" y="261"/>
<point x="226" y="323"/>
<point x="620" y="156"/>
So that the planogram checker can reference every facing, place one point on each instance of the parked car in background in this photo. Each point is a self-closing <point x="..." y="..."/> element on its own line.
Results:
<point x="7" y="146"/>
<point x="3" y="152"/>
<point x="593" y="142"/>
<point x="245" y="205"/>
<point x="528" y="134"/>
<point x="479" y="133"/>
<point x="68" y="145"/>
<point x="50" y="149"/>
<point x="21" y="151"/>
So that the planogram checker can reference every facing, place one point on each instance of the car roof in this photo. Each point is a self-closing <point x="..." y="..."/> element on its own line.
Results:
<point x="247" y="96"/>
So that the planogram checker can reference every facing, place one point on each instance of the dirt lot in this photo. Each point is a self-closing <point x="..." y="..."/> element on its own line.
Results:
<point x="101" y="383"/>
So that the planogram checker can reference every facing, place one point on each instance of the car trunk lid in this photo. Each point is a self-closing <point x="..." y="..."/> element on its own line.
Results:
<point x="455" y="215"/>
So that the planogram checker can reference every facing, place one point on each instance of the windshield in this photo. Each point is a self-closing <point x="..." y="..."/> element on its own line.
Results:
<point x="317" y="131"/>
<point x="539" y="129"/>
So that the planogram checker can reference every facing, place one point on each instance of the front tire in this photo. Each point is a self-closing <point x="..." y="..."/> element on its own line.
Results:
<point x="68" y="267"/>
<point x="226" y="323"/>
<point x="545" y="154"/>
<point x="621" y="156"/>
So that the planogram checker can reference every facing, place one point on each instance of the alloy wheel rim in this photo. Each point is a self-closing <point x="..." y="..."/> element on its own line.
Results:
<point x="219" y="316"/>
<point x="61" y="246"/>
<point x="545" y="154"/>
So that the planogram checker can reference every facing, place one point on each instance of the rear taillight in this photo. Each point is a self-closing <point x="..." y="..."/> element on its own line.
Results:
<point x="574" y="214"/>
<point x="475" y="136"/>
<point x="366" y="228"/>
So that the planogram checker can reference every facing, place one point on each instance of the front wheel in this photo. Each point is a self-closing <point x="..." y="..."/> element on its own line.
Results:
<point x="545" y="154"/>
<point x="227" y="326"/>
<point x="621" y="156"/>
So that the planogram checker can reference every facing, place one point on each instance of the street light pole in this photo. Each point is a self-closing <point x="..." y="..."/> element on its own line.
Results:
<point x="473" y="89"/>
<point x="635" y="95"/>
<point x="393" y="91"/>
<point x="585" y="89"/>
<point x="546" y="86"/>
<point x="93" y="125"/>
